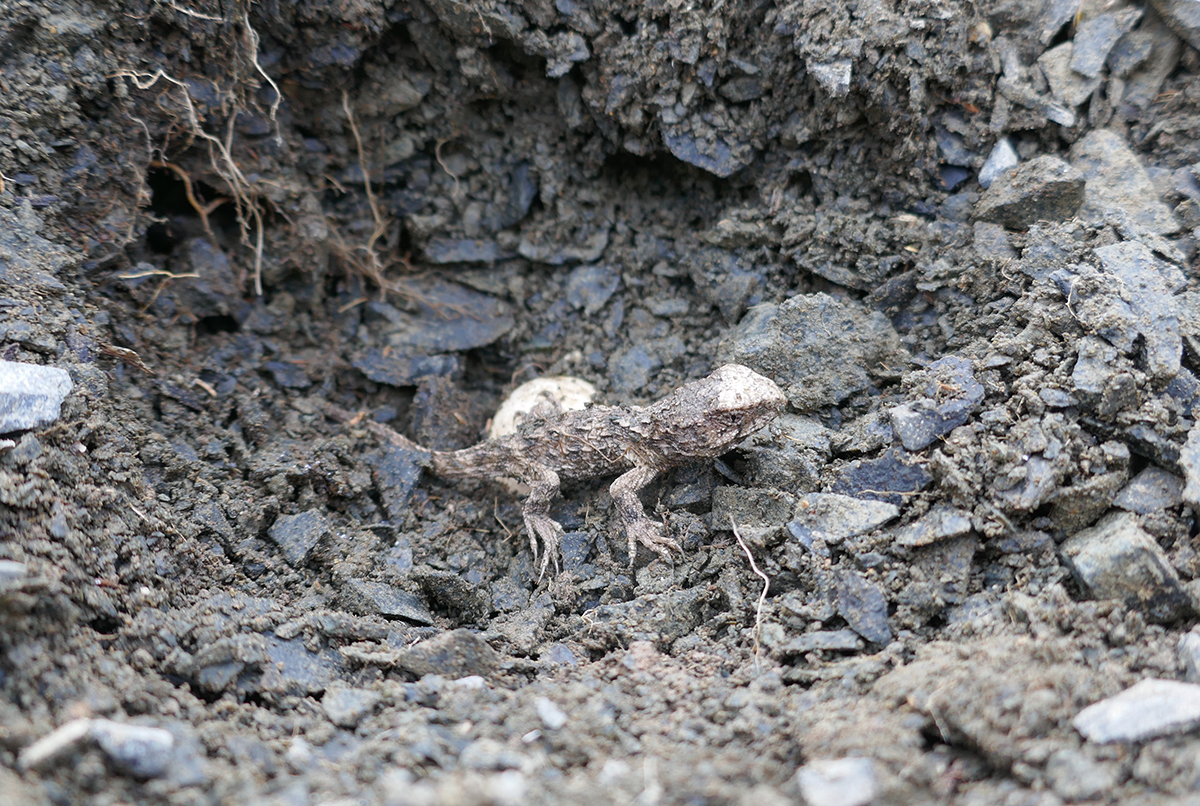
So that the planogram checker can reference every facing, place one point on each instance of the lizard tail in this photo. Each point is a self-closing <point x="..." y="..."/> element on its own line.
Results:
<point x="378" y="429"/>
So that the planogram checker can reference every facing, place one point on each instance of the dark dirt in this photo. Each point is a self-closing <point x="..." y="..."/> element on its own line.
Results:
<point x="220" y="217"/>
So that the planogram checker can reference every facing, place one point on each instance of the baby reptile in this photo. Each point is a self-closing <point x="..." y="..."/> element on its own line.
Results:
<point x="702" y="419"/>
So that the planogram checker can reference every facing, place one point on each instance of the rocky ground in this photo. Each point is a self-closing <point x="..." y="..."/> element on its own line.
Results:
<point x="961" y="237"/>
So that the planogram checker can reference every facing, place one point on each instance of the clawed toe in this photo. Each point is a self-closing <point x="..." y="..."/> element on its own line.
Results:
<point x="551" y="534"/>
<point x="654" y="537"/>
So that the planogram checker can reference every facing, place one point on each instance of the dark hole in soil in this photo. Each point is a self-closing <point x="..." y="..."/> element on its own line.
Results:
<point x="216" y="324"/>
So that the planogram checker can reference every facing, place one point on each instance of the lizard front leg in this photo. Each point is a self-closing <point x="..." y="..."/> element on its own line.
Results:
<point x="543" y="488"/>
<point x="639" y="528"/>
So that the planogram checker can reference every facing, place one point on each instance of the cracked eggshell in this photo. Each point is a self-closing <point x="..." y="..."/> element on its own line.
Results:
<point x="564" y="392"/>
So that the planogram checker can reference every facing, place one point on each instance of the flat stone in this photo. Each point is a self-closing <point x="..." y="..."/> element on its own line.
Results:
<point x="1095" y="37"/>
<point x="1149" y="288"/>
<point x="1117" y="182"/>
<point x="862" y="604"/>
<point x="448" y="318"/>
<point x="367" y="598"/>
<point x="396" y="473"/>
<point x="717" y="154"/>
<point x="1144" y="711"/>
<point x="454" y="654"/>
<point x="831" y="640"/>
<point x="1183" y="16"/>
<point x="759" y="514"/>
<point x="463" y="250"/>
<point x="590" y="287"/>
<point x="940" y="523"/>
<point x="1152" y="490"/>
<point x="396" y="368"/>
<point x="1117" y="559"/>
<point x="31" y="395"/>
<point x="1066" y="85"/>
<point x="885" y="478"/>
<point x="296" y="535"/>
<point x="1044" y="189"/>
<point x="833" y="518"/>
<point x="346" y="707"/>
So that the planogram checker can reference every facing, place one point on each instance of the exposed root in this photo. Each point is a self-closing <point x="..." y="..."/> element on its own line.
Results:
<point x="762" y="597"/>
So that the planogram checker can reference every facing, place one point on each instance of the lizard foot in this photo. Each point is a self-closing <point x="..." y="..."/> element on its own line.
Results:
<point x="551" y="533"/>
<point x="653" y="536"/>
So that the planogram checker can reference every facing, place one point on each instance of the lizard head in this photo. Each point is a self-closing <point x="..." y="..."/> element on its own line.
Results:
<point x="709" y="416"/>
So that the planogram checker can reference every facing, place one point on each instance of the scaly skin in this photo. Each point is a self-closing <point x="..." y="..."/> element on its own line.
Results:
<point x="702" y="419"/>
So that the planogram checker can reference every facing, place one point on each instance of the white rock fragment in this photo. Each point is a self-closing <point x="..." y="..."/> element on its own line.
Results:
<point x="30" y="395"/>
<point x="1003" y="158"/>
<point x="837" y="782"/>
<point x="1189" y="653"/>
<point x="1146" y="710"/>
<point x="55" y="744"/>
<point x="833" y="77"/>
<point x="141" y="751"/>
<point x="551" y="715"/>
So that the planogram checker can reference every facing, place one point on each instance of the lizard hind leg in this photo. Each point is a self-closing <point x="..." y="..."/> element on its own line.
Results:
<point x="543" y="488"/>
<point x="639" y="528"/>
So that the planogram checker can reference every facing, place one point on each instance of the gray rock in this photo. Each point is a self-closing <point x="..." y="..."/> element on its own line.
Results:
<point x="1023" y="94"/>
<point x="589" y="287"/>
<point x="549" y="248"/>
<point x="1189" y="460"/>
<point x="1131" y="52"/>
<point x="29" y="259"/>
<point x="952" y="396"/>
<point x="834" y="77"/>
<point x="396" y="472"/>
<point x="1073" y="776"/>
<point x="346" y="707"/>
<point x="1002" y="159"/>
<point x="291" y="668"/>
<point x="715" y="153"/>
<point x="287" y="375"/>
<point x="1144" y="711"/>
<point x="1066" y="85"/>
<point x="1117" y="182"/>
<point x="833" y="518"/>
<point x="1149" y="288"/>
<point x="140" y="751"/>
<point x="724" y="279"/>
<point x="1152" y="490"/>
<point x="943" y="522"/>
<point x="1183" y="17"/>
<point x="885" y="478"/>
<point x="838" y="782"/>
<point x="30" y="395"/>
<point x="396" y="368"/>
<point x="1096" y="36"/>
<point x="815" y="347"/>
<point x="792" y="453"/>
<point x="862" y="604"/>
<point x="455" y="654"/>
<point x="367" y="598"/>
<point x="759" y="514"/>
<point x="1189" y="654"/>
<point x="447" y="318"/>
<point x="659" y="618"/>
<point x="296" y="535"/>
<point x="1117" y="559"/>
<point x="1143" y="84"/>
<point x="830" y="640"/>
<point x="463" y="250"/>
<point x="1044" y="189"/>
